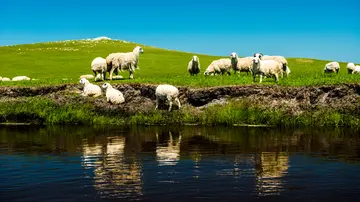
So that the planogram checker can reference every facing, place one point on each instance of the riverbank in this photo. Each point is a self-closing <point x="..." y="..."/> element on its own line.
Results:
<point x="278" y="106"/>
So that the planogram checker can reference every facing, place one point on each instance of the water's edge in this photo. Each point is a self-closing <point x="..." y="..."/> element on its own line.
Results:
<point x="245" y="105"/>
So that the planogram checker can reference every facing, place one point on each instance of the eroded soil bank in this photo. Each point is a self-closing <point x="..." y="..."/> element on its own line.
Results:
<point x="140" y="99"/>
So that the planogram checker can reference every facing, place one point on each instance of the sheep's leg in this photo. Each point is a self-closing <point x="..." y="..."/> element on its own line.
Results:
<point x="178" y="102"/>
<point x="254" y="77"/>
<point x="170" y="102"/>
<point x="261" y="78"/>
<point x="131" y="75"/>
<point x="276" y="77"/>
<point x="111" y="73"/>
<point x="157" y="103"/>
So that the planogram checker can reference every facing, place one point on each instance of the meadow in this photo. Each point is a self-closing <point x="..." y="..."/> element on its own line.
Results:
<point x="64" y="61"/>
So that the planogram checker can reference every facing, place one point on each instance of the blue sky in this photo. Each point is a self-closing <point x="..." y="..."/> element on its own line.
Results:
<point x="307" y="28"/>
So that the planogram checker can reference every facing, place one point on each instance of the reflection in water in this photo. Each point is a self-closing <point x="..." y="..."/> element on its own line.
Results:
<point x="115" y="176"/>
<point x="271" y="168"/>
<point x="168" y="153"/>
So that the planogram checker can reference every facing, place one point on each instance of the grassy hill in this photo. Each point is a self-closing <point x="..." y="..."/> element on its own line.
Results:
<point x="51" y="62"/>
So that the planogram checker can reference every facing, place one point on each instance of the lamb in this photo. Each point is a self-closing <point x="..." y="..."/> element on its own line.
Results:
<point x="240" y="64"/>
<point x="113" y="95"/>
<point x="265" y="67"/>
<point x="332" y="67"/>
<point x="280" y="59"/>
<point x="167" y="92"/>
<point x="98" y="66"/>
<point x="20" y="78"/>
<point x="219" y="66"/>
<point x="350" y="67"/>
<point x="194" y="66"/>
<point x="87" y="76"/>
<point x="124" y="61"/>
<point x="90" y="90"/>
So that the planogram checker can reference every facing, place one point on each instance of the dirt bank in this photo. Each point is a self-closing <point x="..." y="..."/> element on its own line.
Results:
<point x="141" y="97"/>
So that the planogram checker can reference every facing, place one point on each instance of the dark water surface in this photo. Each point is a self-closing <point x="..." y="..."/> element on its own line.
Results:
<point x="178" y="164"/>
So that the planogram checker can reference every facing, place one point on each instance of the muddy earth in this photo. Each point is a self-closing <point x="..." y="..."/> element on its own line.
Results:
<point x="141" y="97"/>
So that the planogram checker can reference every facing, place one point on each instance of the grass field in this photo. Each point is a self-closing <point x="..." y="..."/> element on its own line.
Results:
<point x="52" y="62"/>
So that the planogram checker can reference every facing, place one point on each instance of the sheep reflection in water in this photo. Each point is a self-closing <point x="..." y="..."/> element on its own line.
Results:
<point x="168" y="153"/>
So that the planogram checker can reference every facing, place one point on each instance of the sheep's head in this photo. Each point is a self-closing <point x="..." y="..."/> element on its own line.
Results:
<point x="259" y="55"/>
<point x="233" y="55"/>
<point x="209" y="71"/>
<point x="84" y="81"/>
<point x="257" y="58"/>
<point x="195" y="58"/>
<point x="105" y="86"/>
<point x="138" y="49"/>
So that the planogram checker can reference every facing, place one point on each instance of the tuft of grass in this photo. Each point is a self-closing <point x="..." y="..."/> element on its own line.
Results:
<point x="63" y="62"/>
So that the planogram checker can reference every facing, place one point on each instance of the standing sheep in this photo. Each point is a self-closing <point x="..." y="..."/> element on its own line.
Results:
<point x="265" y="67"/>
<point x="98" y="66"/>
<point x="350" y="67"/>
<point x="124" y="61"/>
<point x="219" y="66"/>
<point x="240" y="64"/>
<point x="113" y="95"/>
<point x="332" y="67"/>
<point x="194" y="65"/>
<point x="167" y="92"/>
<point x="280" y="59"/>
<point x="90" y="90"/>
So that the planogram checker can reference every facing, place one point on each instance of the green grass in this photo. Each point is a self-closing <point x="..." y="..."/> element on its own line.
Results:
<point x="53" y="61"/>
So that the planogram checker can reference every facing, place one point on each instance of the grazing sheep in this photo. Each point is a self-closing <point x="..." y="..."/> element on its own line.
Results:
<point x="219" y="66"/>
<point x="332" y="67"/>
<point x="98" y="65"/>
<point x="265" y="67"/>
<point x="194" y="66"/>
<point x="87" y="76"/>
<point x="124" y="61"/>
<point x="113" y="95"/>
<point x="350" y="67"/>
<point x="240" y="64"/>
<point x="167" y="92"/>
<point x="5" y="79"/>
<point x="20" y="78"/>
<point x="280" y="59"/>
<point x="90" y="90"/>
<point x="356" y="70"/>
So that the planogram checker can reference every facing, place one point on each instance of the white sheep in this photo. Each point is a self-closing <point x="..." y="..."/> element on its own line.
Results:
<point x="113" y="95"/>
<point x="219" y="66"/>
<point x="167" y="92"/>
<point x="20" y="78"/>
<point x="5" y="79"/>
<point x="265" y="67"/>
<point x="350" y="67"/>
<point x="87" y="76"/>
<point x="124" y="61"/>
<point x="280" y="59"/>
<point x="98" y="66"/>
<point x="332" y="67"/>
<point x="240" y="64"/>
<point x="194" y="65"/>
<point x="356" y="70"/>
<point x="90" y="90"/>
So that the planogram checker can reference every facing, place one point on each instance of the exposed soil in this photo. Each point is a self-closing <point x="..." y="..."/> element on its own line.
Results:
<point x="141" y="97"/>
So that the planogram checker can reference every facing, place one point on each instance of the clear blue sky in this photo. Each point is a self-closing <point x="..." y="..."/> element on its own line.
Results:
<point x="305" y="28"/>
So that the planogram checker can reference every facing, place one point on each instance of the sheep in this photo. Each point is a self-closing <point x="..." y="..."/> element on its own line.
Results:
<point x="332" y="67"/>
<point x="219" y="66"/>
<point x="5" y="79"/>
<point x="356" y="70"/>
<point x="265" y="67"/>
<point x="20" y="78"/>
<point x="350" y="67"/>
<point x="113" y="95"/>
<point x="87" y="76"/>
<point x="280" y="59"/>
<point x="240" y="64"/>
<point x="90" y="90"/>
<point x="167" y="92"/>
<point x="98" y="65"/>
<point x="194" y="66"/>
<point x="124" y="61"/>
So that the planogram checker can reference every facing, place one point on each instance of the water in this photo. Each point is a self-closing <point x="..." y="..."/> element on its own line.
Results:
<point x="177" y="164"/>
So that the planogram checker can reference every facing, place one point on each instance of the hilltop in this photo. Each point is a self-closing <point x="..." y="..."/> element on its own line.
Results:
<point x="64" y="61"/>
